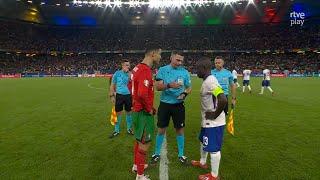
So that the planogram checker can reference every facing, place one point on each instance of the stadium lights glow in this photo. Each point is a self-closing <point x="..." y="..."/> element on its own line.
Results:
<point x="29" y="1"/>
<point x="42" y="3"/>
<point x="67" y="5"/>
<point x="58" y="4"/>
<point x="155" y="3"/>
<point x="226" y="1"/>
<point x="134" y="3"/>
<point x="175" y="3"/>
<point x="99" y="3"/>
<point x="117" y="3"/>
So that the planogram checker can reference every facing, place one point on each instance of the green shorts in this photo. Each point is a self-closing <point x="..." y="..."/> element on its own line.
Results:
<point x="143" y="126"/>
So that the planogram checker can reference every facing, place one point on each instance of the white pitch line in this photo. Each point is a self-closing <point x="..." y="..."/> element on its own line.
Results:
<point x="89" y="86"/>
<point x="163" y="168"/>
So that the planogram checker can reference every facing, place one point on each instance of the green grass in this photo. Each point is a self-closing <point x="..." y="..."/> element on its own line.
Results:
<point x="58" y="129"/>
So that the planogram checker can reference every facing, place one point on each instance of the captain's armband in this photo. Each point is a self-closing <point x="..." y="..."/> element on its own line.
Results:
<point x="217" y="91"/>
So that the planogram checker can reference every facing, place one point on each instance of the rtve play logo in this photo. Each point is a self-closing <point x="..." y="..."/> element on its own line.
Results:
<point x="297" y="18"/>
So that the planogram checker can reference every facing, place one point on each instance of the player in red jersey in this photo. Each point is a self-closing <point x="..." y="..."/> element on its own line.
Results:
<point x="143" y="110"/>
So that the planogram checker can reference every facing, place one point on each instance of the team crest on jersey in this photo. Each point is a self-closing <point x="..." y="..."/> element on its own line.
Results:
<point x="146" y="83"/>
<point x="135" y="69"/>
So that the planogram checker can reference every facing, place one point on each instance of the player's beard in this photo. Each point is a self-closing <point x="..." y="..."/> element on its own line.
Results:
<point x="156" y="62"/>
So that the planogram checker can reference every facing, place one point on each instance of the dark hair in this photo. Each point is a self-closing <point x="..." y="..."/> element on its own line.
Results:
<point x="124" y="60"/>
<point x="177" y="52"/>
<point x="152" y="47"/>
<point x="204" y="62"/>
<point x="219" y="57"/>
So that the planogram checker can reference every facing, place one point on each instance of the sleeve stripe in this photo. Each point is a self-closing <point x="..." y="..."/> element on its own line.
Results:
<point x="217" y="91"/>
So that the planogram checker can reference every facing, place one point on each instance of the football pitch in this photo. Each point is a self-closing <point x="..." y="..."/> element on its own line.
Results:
<point x="58" y="128"/>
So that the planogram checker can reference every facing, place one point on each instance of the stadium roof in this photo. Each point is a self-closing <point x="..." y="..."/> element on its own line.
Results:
<point x="160" y="12"/>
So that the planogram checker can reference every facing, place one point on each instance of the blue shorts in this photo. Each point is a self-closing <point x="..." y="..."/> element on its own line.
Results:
<point x="235" y="80"/>
<point x="265" y="83"/>
<point x="246" y="82"/>
<point x="211" y="138"/>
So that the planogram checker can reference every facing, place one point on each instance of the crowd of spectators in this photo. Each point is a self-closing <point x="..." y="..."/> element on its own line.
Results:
<point x="23" y="36"/>
<point x="86" y="47"/>
<point x="108" y="63"/>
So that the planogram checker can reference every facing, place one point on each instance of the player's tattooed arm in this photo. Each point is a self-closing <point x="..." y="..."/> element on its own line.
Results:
<point x="222" y="102"/>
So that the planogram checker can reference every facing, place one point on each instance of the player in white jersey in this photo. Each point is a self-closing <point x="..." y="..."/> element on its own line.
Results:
<point x="235" y="78"/>
<point x="213" y="120"/>
<point x="266" y="81"/>
<point x="246" y="80"/>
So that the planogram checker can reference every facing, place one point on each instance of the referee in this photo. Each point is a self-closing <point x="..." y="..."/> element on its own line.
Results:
<point x="174" y="82"/>
<point x="225" y="79"/>
<point x="120" y="96"/>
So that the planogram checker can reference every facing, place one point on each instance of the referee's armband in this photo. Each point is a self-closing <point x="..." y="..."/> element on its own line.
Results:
<point x="158" y="79"/>
<point x="217" y="91"/>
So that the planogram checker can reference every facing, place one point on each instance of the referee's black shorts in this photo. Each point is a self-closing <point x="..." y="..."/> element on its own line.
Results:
<point x="166" y="111"/>
<point x="123" y="101"/>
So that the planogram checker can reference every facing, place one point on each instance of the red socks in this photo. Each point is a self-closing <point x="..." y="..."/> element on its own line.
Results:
<point x="135" y="151"/>
<point x="140" y="159"/>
